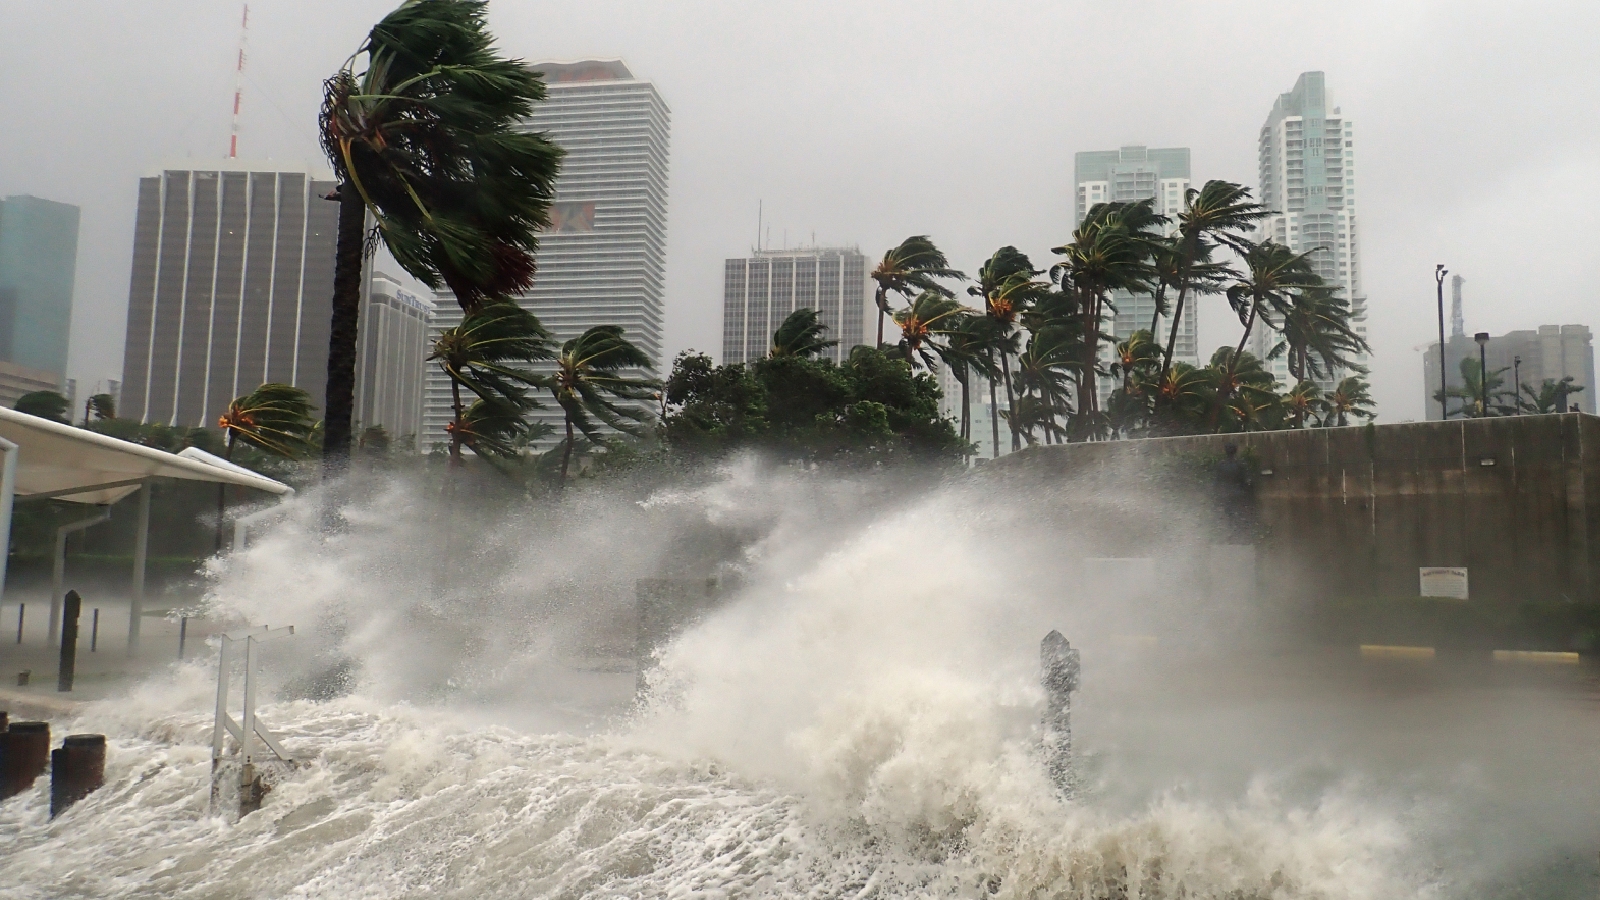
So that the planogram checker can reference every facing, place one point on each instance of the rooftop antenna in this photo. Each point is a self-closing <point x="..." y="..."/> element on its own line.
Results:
<point x="238" y="84"/>
<point x="1458" y="326"/>
<point x="760" y="204"/>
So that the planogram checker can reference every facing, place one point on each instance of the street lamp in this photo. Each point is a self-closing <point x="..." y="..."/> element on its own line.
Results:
<point x="1439" y="272"/>
<point x="1516" y="382"/>
<point x="1482" y="338"/>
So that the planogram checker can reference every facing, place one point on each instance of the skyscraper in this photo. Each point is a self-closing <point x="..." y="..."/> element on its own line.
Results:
<point x="1128" y="175"/>
<point x="1533" y="356"/>
<point x="760" y="291"/>
<point x="603" y="260"/>
<point x="38" y="265"/>
<point x="231" y="286"/>
<point x="1306" y="154"/>
<point x="390" y="357"/>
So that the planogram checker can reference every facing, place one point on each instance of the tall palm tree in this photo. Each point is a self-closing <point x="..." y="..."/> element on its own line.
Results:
<point x="592" y="373"/>
<point x="1110" y="251"/>
<point x="929" y="317"/>
<point x="1273" y="272"/>
<point x="1316" y="333"/>
<point x="1007" y="285"/>
<point x="1240" y="391"/>
<point x="428" y="140"/>
<point x="274" y="418"/>
<point x="910" y="268"/>
<point x="1475" y="386"/>
<point x="1304" y="402"/>
<point x="1350" y="397"/>
<point x="1220" y="212"/>
<point x="967" y="350"/>
<point x="801" y="334"/>
<point x="1044" y="374"/>
<point x="487" y="354"/>
<point x="1137" y="362"/>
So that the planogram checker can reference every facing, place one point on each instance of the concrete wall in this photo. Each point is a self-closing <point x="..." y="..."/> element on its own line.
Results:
<point x="1354" y="512"/>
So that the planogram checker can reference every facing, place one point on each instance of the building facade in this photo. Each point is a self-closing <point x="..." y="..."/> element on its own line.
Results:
<point x="603" y="260"/>
<point x="231" y="286"/>
<point x="1128" y="175"/>
<point x="17" y="380"/>
<point x="758" y="292"/>
<point x="1307" y="158"/>
<point x="1549" y="353"/>
<point x="38" y="268"/>
<point x="391" y="358"/>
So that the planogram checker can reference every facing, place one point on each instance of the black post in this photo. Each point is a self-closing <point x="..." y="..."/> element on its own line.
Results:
<point x="183" y="633"/>
<point x="1516" y="382"/>
<point x="23" y="756"/>
<point x="1439" y="272"/>
<point x="77" y="770"/>
<point x="69" y="640"/>
<point x="1482" y="338"/>
<point x="21" y="608"/>
<point x="94" y="629"/>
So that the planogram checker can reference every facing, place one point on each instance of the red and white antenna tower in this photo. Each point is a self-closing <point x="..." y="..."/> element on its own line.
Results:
<point x="238" y="84"/>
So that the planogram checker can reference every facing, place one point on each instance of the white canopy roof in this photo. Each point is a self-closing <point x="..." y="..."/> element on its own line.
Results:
<point x="59" y="460"/>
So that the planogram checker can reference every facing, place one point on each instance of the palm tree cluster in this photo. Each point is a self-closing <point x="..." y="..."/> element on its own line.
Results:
<point x="1482" y="394"/>
<point x="1040" y="335"/>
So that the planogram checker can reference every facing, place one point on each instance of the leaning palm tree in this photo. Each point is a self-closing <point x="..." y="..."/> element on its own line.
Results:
<point x="274" y="418"/>
<point x="428" y="140"/>
<point x="488" y="354"/>
<point x="1350" y="397"/>
<point x="929" y="317"/>
<point x="592" y="373"/>
<point x="1317" y="336"/>
<point x="1044" y="375"/>
<point x="1220" y="212"/>
<point x="1007" y="283"/>
<point x="1273" y="272"/>
<point x="801" y="334"/>
<point x="1550" y="397"/>
<point x="913" y="267"/>
<point x="968" y="350"/>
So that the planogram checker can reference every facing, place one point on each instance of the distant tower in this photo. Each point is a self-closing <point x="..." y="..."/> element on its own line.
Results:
<point x="1458" y="326"/>
<point x="238" y="84"/>
<point x="759" y="292"/>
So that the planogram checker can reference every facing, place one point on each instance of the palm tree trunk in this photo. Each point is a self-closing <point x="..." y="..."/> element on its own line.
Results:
<point x="566" y="454"/>
<point x="1233" y="364"/>
<point x="994" y="419"/>
<point x="1177" y="318"/>
<point x="1011" y="400"/>
<point x="883" y="303"/>
<point x="455" y="433"/>
<point x="966" y="413"/>
<point x="1088" y="390"/>
<point x="339" y="405"/>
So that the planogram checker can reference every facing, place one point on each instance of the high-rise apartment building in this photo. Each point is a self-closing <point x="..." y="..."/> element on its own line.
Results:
<point x="231" y="286"/>
<point x="38" y="266"/>
<point x="391" y="357"/>
<point x="1128" y="175"/>
<point x="1533" y="356"/>
<point x="1307" y="162"/>
<point x="758" y="292"/>
<point x="603" y="260"/>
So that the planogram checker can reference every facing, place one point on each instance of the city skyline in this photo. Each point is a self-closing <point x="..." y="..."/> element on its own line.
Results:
<point x="761" y="290"/>
<point x="820" y="162"/>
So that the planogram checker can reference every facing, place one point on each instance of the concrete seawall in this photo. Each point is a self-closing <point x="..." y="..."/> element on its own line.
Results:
<point x="1357" y="511"/>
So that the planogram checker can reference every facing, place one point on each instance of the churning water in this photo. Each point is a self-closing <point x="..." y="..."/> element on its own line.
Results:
<point x="858" y="720"/>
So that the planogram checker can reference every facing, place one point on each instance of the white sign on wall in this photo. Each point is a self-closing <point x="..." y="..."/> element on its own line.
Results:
<point x="1444" y="581"/>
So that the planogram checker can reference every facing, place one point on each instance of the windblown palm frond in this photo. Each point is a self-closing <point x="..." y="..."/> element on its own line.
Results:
<point x="801" y="334"/>
<point x="592" y="374"/>
<point x="913" y="267"/>
<point x="273" y="417"/>
<point x="929" y="316"/>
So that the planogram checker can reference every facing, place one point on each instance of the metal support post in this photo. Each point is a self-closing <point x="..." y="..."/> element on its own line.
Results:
<point x="250" y="729"/>
<point x="141" y="549"/>
<point x="58" y="573"/>
<point x="8" y="491"/>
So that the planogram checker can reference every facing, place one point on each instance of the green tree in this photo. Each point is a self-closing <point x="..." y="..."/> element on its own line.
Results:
<point x="913" y="267"/>
<point x="929" y="317"/>
<point x="1304" y="404"/>
<point x="1044" y="376"/>
<point x="488" y="354"/>
<point x="1273" y="273"/>
<point x="429" y="140"/>
<point x="1138" y="364"/>
<point x="1475" y="387"/>
<point x="101" y="406"/>
<point x="1351" y="397"/>
<point x="1243" y="395"/>
<point x="592" y="374"/>
<point x="801" y="334"/>
<point x="1219" y="213"/>
<point x="44" y="404"/>
<point x="1550" y="397"/>
<point x="1316" y="334"/>
<point x="274" y="418"/>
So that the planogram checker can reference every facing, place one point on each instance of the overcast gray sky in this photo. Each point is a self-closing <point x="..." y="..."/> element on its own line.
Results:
<point x="1478" y="139"/>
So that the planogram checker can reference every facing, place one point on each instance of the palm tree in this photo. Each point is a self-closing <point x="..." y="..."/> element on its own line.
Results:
<point x="1303" y="403"/>
<point x="1475" y="387"/>
<point x="1110" y="251"/>
<point x="968" y="349"/>
<point x="428" y="140"/>
<point x="1138" y="360"/>
<point x="1220" y="212"/>
<point x="591" y="373"/>
<point x="487" y="354"/>
<point x="1241" y="391"/>
<point x="100" y="407"/>
<point x="801" y="334"/>
<point x="1316" y="333"/>
<point x="275" y="418"/>
<point x="1350" y="398"/>
<point x="913" y="267"/>
<point x="1044" y="375"/>
<point x="1551" y="397"/>
<point x="1273" y="273"/>
<point x="1008" y="288"/>
<point x="44" y="404"/>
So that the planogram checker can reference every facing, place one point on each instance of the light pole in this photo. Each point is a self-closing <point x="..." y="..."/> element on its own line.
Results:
<point x="1516" y="382"/>
<point x="1439" y="272"/>
<point x="1482" y="338"/>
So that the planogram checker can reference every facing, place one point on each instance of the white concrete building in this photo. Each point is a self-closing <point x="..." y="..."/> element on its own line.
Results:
<point x="760" y="291"/>
<point x="603" y="261"/>
<point x="1307" y="163"/>
<point x="390" y="358"/>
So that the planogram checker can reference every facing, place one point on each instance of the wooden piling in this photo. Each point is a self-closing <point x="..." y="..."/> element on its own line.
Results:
<point x="69" y="641"/>
<point x="77" y="770"/>
<point x="24" y="755"/>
